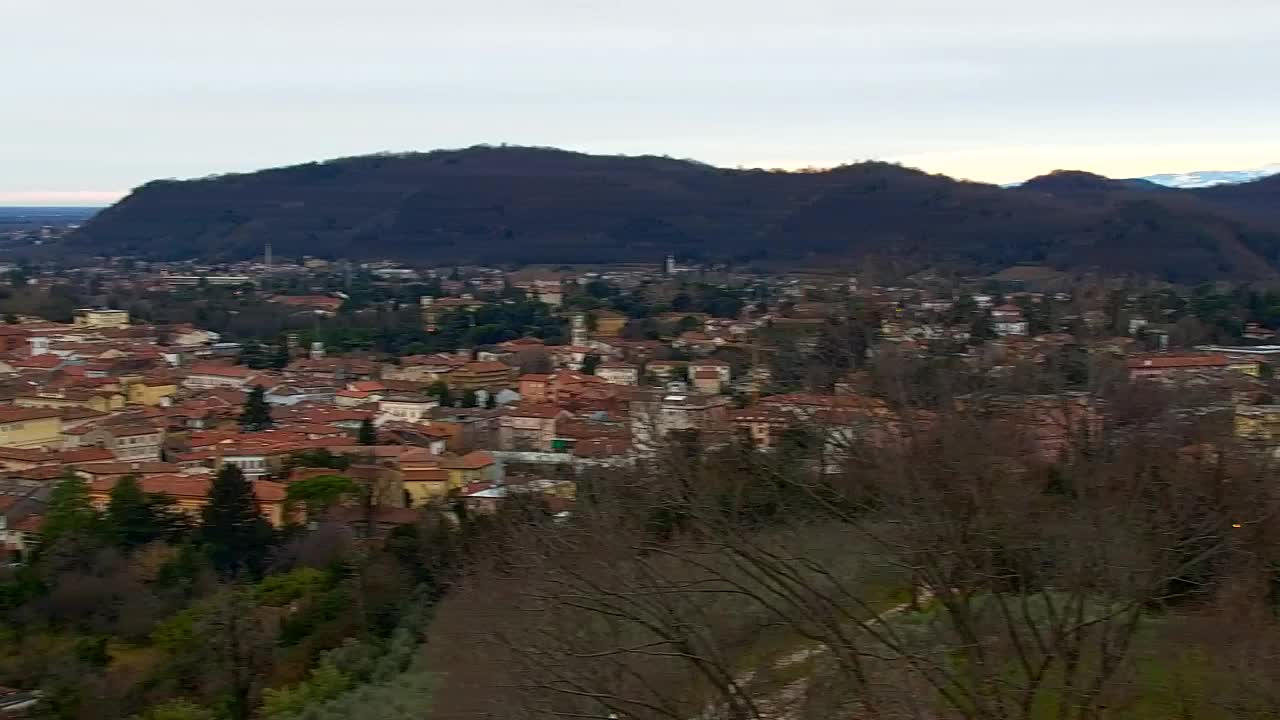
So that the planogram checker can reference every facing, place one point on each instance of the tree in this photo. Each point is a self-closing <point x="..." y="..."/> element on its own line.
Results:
<point x="70" y="513"/>
<point x="470" y="398"/>
<point x="981" y="329"/>
<point x="251" y="355"/>
<point x="238" y="640"/>
<point x="1030" y="603"/>
<point x="135" y="518"/>
<point x="368" y="434"/>
<point x="440" y="391"/>
<point x="256" y="415"/>
<point x="590" y="363"/>
<point x="233" y="531"/>
<point x="280" y="355"/>
<point x="322" y="492"/>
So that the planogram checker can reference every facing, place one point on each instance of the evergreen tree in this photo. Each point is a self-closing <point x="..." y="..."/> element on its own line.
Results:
<point x="70" y="513"/>
<point x="470" y="399"/>
<point x="440" y="391"/>
<point x="251" y="355"/>
<point x="135" y="518"/>
<point x="368" y="434"/>
<point x="234" y="533"/>
<point x="280" y="355"/>
<point x="129" y="518"/>
<point x="256" y="415"/>
<point x="981" y="329"/>
<point x="590" y="363"/>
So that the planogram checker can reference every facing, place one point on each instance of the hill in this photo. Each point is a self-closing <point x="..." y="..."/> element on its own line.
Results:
<point x="533" y="205"/>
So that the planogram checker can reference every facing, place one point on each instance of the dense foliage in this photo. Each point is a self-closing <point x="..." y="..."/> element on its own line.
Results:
<point x="138" y="611"/>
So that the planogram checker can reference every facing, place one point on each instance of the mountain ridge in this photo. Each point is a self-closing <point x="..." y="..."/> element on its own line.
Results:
<point x="515" y="205"/>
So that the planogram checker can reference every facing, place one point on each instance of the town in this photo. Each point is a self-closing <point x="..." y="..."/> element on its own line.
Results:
<point x="459" y="388"/>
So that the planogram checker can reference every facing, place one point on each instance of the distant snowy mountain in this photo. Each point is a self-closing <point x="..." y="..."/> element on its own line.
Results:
<point x="1213" y="177"/>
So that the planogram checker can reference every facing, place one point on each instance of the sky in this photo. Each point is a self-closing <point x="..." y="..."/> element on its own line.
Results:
<point x="99" y="97"/>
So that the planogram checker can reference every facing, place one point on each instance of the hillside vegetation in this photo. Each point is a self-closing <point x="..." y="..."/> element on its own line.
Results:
<point x="531" y="205"/>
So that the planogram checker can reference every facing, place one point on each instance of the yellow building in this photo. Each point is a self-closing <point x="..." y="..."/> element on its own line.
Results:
<point x="30" y="428"/>
<point x="474" y="467"/>
<point x="425" y="485"/>
<point x="1246" y="366"/>
<point x="151" y="392"/>
<point x="96" y="318"/>
<point x="100" y="400"/>
<point x="1258" y="423"/>
<point x="190" y="494"/>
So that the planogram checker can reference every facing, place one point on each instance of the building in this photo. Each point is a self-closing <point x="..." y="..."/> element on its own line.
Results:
<point x="211" y="280"/>
<point x="30" y="428"/>
<point x="13" y="337"/>
<point x="207" y="375"/>
<point x="127" y="443"/>
<point x="190" y="494"/>
<point x="151" y="391"/>
<point x="655" y="414"/>
<point x="104" y="400"/>
<point x="482" y="375"/>
<point x="476" y="466"/>
<point x="433" y="309"/>
<point x="1245" y="357"/>
<point x="406" y="407"/>
<point x="709" y="376"/>
<point x="548" y="292"/>
<point x="1008" y="320"/>
<point x="1259" y="425"/>
<point x="529" y="427"/>
<point x="762" y="425"/>
<point x="1172" y="365"/>
<point x="617" y="373"/>
<point x="101" y="318"/>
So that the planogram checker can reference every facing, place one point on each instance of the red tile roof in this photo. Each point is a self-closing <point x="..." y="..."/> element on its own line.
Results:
<point x="10" y="415"/>
<point x="85" y="455"/>
<point x="473" y="460"/>
<point x="1176" y="361"/>
<point x="191" y="486"/>
<point x="545" y="411"/>
<point x="222" y="370"/>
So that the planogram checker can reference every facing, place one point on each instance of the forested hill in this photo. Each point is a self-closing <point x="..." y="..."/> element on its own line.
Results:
<point x="532" y="205"/>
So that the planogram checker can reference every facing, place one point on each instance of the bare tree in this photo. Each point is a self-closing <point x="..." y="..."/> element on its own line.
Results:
<point x="951" y="573"/>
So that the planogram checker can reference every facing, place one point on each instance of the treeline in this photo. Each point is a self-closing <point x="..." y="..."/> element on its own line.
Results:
<point x="141" y="610"/>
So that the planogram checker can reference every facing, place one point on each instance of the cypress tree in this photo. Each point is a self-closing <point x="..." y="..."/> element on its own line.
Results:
<point x="233" y="531"/>
<point x="280" y="355"/>
<point x="129" y="517"/>
<point x="256" y="415"/>
<point x="368" y="433"/>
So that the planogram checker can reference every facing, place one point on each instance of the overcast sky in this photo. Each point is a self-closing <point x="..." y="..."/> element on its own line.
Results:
<point x="99" y="97"/>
